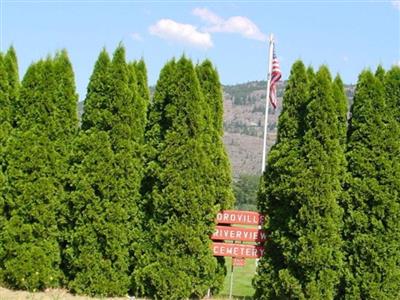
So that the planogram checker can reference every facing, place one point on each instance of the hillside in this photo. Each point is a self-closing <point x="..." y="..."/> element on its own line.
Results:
<point x="244" y="108"/>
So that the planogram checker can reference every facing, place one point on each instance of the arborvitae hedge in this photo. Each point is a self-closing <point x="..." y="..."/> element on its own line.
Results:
<point x="36" y="166"/>
<point x="319" y="220"/>
<point x="107" y="168"/>
<point x="303" y="257"/>
<point x="220" y="174"/>
<point x="4" y="132"/>
<point x="177" y="261"/>
<point x="372" y="211"/>
<point x="279" y="197"/>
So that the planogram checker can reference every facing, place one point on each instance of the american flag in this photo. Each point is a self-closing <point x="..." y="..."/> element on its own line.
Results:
<point x="275" y="76"/>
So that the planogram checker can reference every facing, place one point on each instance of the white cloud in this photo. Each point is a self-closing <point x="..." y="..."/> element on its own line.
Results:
<point x="396" y="3"/>
<point x="207" y="15"/>
<point x="136" y="36"/>
<point x="185" y="33"/>
<point x="237" y="24"/>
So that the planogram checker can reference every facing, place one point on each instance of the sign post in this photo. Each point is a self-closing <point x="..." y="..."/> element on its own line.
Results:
<point x="224" y="231"/>
<point x="231" y="285"/>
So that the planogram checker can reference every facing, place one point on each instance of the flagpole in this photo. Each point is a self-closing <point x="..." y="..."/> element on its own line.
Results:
<point x="271" y="46"/>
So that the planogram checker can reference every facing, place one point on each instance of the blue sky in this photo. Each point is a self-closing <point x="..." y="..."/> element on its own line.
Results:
<point x="348" y="36"/>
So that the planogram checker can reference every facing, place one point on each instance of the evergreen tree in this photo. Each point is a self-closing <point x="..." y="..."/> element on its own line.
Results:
<point x="372" y="211"/>
<point x="107" y="170"/>
<point x="66" y="109"/>
<point x="4" y="92"/>
<point x="380" y="73"/>
<point x="278" y="196"/>
<point x="310" y="73"/>
<point x="9" y="87"/>
<point x="36" y="164"/>
<point x="177" y="262"/>
<point x="319" y="215"/>
<point x="4" y="129"/>
<point x="340" y="99"/>
<point x="11" y="65"/>
<point x="220" y="174"/>
<point x="303" y="256"/>
<point x="392" y="91"/>
<point x="96" y="113"/>
<point x="138" y="73"/>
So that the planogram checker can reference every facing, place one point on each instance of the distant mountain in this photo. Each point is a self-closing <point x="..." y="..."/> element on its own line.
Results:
<point x="244" y="107"/>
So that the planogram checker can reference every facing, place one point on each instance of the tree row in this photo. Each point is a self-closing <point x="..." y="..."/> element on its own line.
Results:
<point x="331" y="190"/>
<point x="122" y="201"/>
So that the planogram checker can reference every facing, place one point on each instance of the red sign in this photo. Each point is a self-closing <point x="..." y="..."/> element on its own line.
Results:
<point x="239" y="234"/>
<point x="240" y="217"/>
<point x="238" y="261"/>
<point x="237" y="250"/>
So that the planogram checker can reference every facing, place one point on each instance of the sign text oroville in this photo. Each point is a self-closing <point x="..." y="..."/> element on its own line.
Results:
<point x="239" y="217"/>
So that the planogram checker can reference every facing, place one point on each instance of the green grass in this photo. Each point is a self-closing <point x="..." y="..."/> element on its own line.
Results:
<point x="242" y="277"/>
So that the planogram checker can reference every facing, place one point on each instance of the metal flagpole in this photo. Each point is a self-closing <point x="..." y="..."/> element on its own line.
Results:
<point x="271" y="45"/>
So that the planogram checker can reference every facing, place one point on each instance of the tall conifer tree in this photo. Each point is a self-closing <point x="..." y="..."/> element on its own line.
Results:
<point x="392" y="91"/>
<point x="9" y="88"/>
<point x="340" y="99"/>
<point x="220" y="174"/>
<point x="4" y="132"/>
<point x="318" y="223"/>
<point x="372" y="211"/>
<point x="303" y="257"/>
<point x="279" y="196"/>
<point x="35" y="170"/>
<point x="138" y="74"/>
<point x="107" y="172"/>
<point x="177" y="261"/>
<point x="11" y="64"/>
<point x="310" y="73"/>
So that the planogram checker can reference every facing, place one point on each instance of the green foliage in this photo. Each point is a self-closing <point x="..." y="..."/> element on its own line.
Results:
<point x="177" y="261"/>
<point x="96" y="112"/>
<point x="302" y="185"/>
<point x="11" y="65"/>
<point x="380" y="73"/>
<point x="106" y="174"/>
<point x="35" y="167"/>
<point x="392" y="91"/>
<point x="319" y="218"/>
<point x="341" y="101"/>
<point x="9" y="84"/>
<point x="219" y="175"/>
<point x="310" y="73"/>
<point x="30" y="235"/>
<point x="143" y="96"/>
<point x="279" y="197"/>
<point x="372" y="209"/>
<point x="5" y="129"/>
<point x="245" y="189"/>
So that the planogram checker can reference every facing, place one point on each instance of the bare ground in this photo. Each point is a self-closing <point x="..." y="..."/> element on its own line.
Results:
<point x="57" y="294"/>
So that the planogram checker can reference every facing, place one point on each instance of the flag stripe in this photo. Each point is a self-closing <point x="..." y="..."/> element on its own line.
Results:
<point x="275" y="77"/>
